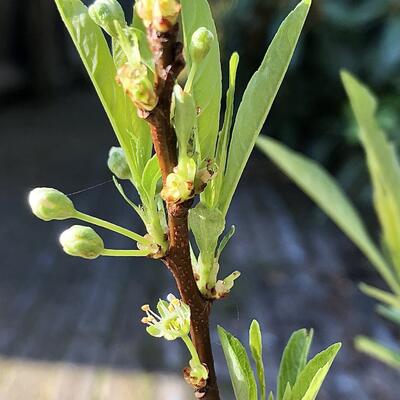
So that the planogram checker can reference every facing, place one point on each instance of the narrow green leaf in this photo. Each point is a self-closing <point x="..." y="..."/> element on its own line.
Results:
<point x="382" y="162"/>
<point x="288" y="392"/>
<point x="391" y="313"/>
<point x="378" y="351"/>
<point x="95" y="54"/>
<point x="150" y="178"/>
<point x="196" y="14"/>
<point x="215" y="186"/>
<point x="380" y="295"/>
<point x="256" y="347"/>
<point x="271" y="396"/>
<point x="259" y="96"/>
<point x="242" y="377"/>
<point x="294" y="360"/>
<point x="225" y="240"/>
<point x="322" y="188"/>
<point x="310" y="379"/>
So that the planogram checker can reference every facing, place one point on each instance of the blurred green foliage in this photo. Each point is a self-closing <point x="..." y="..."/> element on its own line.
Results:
<point x="311" y="113"/>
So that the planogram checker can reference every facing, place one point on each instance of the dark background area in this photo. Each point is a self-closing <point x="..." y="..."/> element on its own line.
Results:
<point x="298" y="269"/>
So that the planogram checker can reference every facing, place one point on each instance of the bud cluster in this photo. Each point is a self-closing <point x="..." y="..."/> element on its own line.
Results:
<point x="161" y="14"/>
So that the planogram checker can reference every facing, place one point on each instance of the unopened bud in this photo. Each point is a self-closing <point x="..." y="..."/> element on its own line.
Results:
<point x="144" y="9"/>
<point x="136" y="84"/>
<point x="222" y="288"/>
<point x="165" y="14"/>
<point x="117" y="163"/>
<point x="179" y="186"/>
<point x="82" y="241"/>
<point x="105" y="13"/>
<point x="201" y="44"/>
<point x="50" y="204"/>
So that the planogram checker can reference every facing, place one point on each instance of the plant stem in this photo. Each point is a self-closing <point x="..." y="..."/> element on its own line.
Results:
<point x="112" y="227"/>
<point x="192" y="349"/>
<point x="167" y="53"/>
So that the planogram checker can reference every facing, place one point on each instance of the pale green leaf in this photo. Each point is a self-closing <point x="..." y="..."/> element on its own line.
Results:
<point x="391" y="313"/>
<point x="225" y="240"/>
<point x="323" y="189"/>
<point x="294" y="359"/>
<point x="256" y="347"/>
<point x="305" y="384"/>
<point x="207" y="225"/>
<point x="316" y="383"/>
<point x="287" y="395"/>
<point x="378" y="351"/>
<point x="95" y="54"/>
<point x="380" y="295"/>
<point x="207" y="88"/>
<point x="258" y="98"/>
<point x="242" y="377"/>
<point x="382" y="162"/>
<point x="271" y="396"/>
<point x="215" y="186"/>
<point x="150" y="178"/>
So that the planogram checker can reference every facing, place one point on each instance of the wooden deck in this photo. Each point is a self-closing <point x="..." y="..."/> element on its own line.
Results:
<point x="69" y="328"/>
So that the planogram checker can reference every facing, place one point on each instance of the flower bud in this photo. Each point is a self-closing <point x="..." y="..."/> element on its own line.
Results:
<point x="144" y="9"/>
<point x="165" y="14"/>
<point x="179" y="186"/>
<point x="50" y="204"/>
<point x="82" y="241"/>
<point x="136" y="84"/>
<point x="105" y="13"/>
<point x="201" y="44"/>
<point x="117" y="163"/>
<point x="222" y="288"/>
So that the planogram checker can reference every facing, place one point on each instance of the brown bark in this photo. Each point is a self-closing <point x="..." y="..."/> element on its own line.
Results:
<point x="169" y="63"/>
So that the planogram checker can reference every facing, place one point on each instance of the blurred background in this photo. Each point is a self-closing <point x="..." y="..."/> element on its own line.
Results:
<point x="69" y="329"/>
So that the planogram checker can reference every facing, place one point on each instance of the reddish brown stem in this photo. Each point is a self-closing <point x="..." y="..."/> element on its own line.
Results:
<point x="169" y="62"/>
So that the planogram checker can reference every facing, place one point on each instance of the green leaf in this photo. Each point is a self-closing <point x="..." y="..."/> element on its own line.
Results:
<point x="207" y="225"/>
<point x="258" y="98"/>
<point x="378" y="351"/>
<point x="312" y="376"/>
<point x="322" y="188"/>
<point x="215" y="186"/>
<point x="271" y="396"/>
<point x="380" y="295"/>
<point x="95" y="54"/>
<point x="242" y="377"/>
<point x="225" y="240"/>
<point x="196" y="14"/>
<point x="288" y="392"/>
<point x="382" y="162"/>
<point x="294" y="359"/>
<point x="150" y="178"/>
<point x="391" y="313"/>
<point x="255" y="342"/>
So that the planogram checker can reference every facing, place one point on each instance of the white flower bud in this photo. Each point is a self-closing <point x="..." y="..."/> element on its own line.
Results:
<point x="200" y="45"/>
<point x="50" y="204"/>
<point x="117" y="163"/>
<point x="105" y="13"/>
<point x="82" y="241"/>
